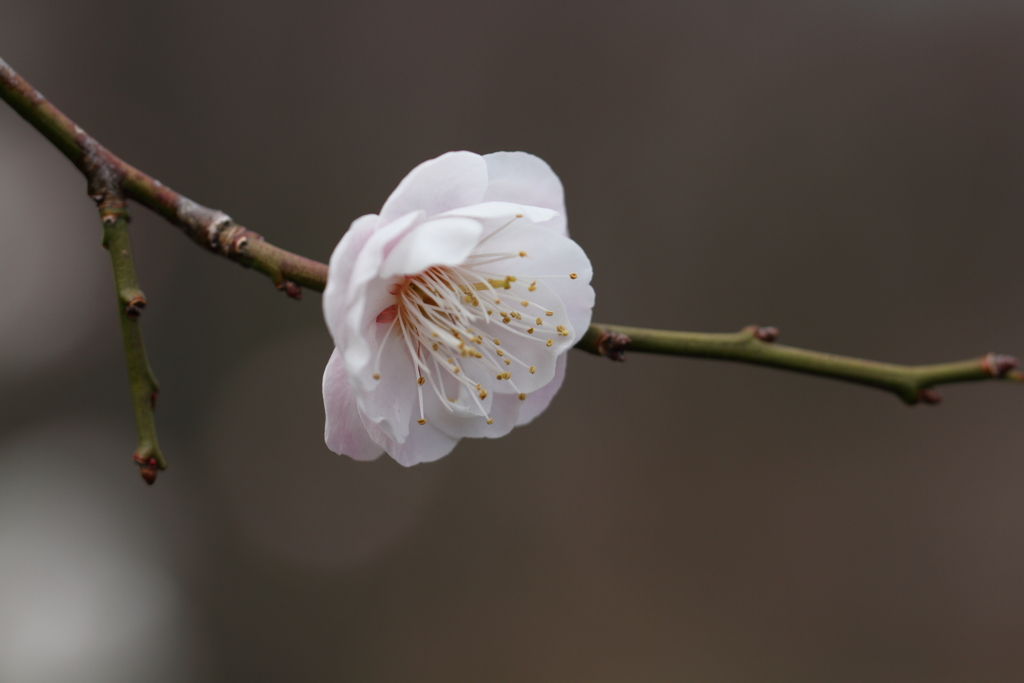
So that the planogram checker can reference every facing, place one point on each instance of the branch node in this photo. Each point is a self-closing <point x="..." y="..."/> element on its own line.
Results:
<point x="133" y="309"/>
<point x="291" y="289"/>
<point x="998" y="365"/>
<point x="612" y="345"/>
<point x="929" y="396"/>
<point x="767" y="334"/>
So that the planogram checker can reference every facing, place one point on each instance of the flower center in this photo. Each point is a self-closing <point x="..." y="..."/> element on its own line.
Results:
<point x="447" y="317"/>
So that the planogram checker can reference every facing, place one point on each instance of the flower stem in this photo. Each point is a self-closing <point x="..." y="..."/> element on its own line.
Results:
<point x="912" y="383"/>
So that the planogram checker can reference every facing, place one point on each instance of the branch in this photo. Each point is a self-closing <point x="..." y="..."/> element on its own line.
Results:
<point x="912" y="383"/>
<point x="216" y="231"/>
<point x="131" y="301"/>
<point x="210" y="228"/>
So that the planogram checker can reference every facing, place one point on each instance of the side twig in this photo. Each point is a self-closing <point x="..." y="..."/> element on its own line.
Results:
<point x="131" y="301"/>
<point x="912" y="383"/>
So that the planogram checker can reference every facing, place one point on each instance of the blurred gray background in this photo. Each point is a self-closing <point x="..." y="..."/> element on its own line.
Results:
<point x="850" y="172"/>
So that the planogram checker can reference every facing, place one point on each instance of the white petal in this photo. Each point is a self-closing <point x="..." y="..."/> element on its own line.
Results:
<point x="344" y="432"/>
<point x="550" y="254"/>
<point x="451" y="180"/>
<point x="388" y="402"/>
<point x="366" y="294"/>
<point x="425" y="443"/>
<point x="525" y="179"/>
<point x="439" y="242"/>
<point x="503" y="409"/>
<point x="496" y="214"/>
<point x="530" y="349"/>
<point x="537" y="402"/>
<point x="340" y="272"/>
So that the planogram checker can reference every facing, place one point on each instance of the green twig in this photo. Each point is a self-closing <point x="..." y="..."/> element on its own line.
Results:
<point x="130" y="302"/>
<point x="912" y="383"/>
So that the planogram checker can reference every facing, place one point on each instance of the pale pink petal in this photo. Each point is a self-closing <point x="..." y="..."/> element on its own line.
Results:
<point x="388" y="401"/>
<point x="525" y="179"/>
<point x="340" y="272"/>
<point x="425" y="443"/>
<point x="366" y="293"/>
<point x="537" y="402"/>
<point x="451" y="180"/>
<point x="439" y="242"/>
<point x="344" y="432"/>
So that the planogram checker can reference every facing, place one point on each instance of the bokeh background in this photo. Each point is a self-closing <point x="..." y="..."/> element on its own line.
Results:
<point x="849" y="171"/>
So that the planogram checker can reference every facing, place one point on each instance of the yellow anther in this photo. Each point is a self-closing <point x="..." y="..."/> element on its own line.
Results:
<point x="533" y="369"/>
<point x="452" y="361"/>
<point x="522" y="254"/>
<point x="483" y="393"/>
<point x="573" y="275"/>
<point x="497" y="342"/>
<point x="540" y="321"/>
<point x="522" y="397"/>
<point x="421" y="380"/>
<point x="434" y="346"/>
<point x="421" y="422"/>
<point x="550" y="342"/>
<point x="489" y="311"/>
<point x="500" y="352"/>
<point x="533" y="286"/>
<point x="525" y="303"/>
<point x="457" y="370"/>
<point x="497" y="301"/>
<point x="507" y="375"/>
<point x="529" y="330"/>
<point x="550" y="313"/>
<point x="508" y="362"/>
<point x="376" y="375"/>
<point x="490" y="420"/>
<point x="519" y="215"/>
<point x="478" y="387"/>
<point x="498" y="376"/>
<point x="506" y="320"/>
<point x="511" y="278"/>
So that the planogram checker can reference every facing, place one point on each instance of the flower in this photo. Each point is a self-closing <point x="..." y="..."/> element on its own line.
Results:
<point x="452" y="310"/>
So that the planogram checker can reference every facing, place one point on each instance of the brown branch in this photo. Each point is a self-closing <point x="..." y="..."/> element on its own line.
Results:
<point x="212" y="229"/>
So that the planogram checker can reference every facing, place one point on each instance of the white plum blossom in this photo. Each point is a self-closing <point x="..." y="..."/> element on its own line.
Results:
<point x="452" y="310"/>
